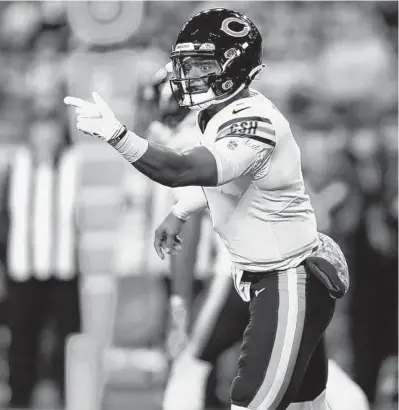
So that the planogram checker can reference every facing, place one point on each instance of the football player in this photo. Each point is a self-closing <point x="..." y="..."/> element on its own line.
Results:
<point x="247" y="171"/>
<point x="223" y="316"/>
<point x="219" y="325"/>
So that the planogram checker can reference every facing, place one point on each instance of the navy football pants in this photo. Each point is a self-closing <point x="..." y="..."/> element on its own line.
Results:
<point x="282" y="357"/>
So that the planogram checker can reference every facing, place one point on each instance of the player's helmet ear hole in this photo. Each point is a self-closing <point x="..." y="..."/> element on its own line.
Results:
<point x="227" y="85"/>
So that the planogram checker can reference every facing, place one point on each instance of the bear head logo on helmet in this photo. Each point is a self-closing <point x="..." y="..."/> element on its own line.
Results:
<point x="218" y="53"/>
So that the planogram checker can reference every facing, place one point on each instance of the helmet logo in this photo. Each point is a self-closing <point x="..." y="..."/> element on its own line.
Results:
<point x="227" y="85"/>
<point x="226" y="23"/>
<point x="230" y="53"/>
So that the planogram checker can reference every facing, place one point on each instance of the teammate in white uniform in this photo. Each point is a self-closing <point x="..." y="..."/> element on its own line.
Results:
<point x="250" y="171"/>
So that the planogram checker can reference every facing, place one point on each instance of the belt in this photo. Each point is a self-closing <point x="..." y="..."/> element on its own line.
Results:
<point x="255" y="277"/>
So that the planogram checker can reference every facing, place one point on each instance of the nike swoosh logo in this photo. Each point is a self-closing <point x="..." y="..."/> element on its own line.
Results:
<point x="258" y="291"/>
<point x="235" y="111"/>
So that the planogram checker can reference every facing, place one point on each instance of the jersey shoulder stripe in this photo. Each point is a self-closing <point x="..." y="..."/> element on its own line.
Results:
<point x="256" y="128"/>
<point x="243" y="119"/>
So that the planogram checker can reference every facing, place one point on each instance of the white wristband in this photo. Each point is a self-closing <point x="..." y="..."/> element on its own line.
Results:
<point x="179" y="212"/>
<point x="132" y="147"/>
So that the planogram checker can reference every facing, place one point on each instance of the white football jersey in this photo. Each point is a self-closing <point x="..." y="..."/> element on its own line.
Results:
<point x="259" y="208"/>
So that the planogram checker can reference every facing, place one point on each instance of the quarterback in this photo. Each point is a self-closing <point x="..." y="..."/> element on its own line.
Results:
<point x="247" y="171"/>
<point x="223" y="316"/>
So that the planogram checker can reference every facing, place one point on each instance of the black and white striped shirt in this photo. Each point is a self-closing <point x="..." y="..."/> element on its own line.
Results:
<point x="41" y="239"/>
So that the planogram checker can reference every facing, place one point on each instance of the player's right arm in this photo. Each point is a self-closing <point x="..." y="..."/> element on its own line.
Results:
<point x="211" y="165"/>
<point x="243" y="146"/>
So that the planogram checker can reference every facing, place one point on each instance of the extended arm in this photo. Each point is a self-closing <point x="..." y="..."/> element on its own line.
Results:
<point x="238" y="149"/>
<point x="169" y="166"/>
<point x="211" y="165"/>
<point x="216" y="164"/>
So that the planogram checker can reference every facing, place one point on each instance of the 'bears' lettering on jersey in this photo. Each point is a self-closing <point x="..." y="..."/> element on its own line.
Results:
<point x="257" y="128"/>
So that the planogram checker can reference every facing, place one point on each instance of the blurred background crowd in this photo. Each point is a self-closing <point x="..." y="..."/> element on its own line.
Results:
<point x="332" y="69"/>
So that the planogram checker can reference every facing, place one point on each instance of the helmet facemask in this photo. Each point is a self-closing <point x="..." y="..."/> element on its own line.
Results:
<point x="194" y="90"/>
<point x="194" y="79"/>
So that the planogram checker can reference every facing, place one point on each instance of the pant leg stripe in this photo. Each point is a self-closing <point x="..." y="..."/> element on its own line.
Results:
<point x="213" y="306"/>
<point x="300" y="278"/>
<point x="282" y="318"/>
<point x="286" y="343"/>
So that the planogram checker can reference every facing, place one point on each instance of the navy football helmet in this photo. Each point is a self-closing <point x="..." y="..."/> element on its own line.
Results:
<point x="217" y="53"/>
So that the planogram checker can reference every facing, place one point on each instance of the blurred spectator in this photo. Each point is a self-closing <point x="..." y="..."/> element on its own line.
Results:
<point x="45" y="72"/>
<point x="374" y="307"/>
<point x="18" y="23"/>
<point x="38" y="250"/>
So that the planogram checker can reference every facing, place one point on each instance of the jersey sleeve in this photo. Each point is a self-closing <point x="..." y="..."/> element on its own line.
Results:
<point x="190" y="199"/>
<point x="243" y="146"/>
<point x="257" y="128"/>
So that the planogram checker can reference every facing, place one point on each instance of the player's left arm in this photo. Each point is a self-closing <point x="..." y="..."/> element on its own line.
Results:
<point x="239" y="148"/>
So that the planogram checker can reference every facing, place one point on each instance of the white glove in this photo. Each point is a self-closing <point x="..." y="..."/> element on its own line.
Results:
<point x="96" y="119"/>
